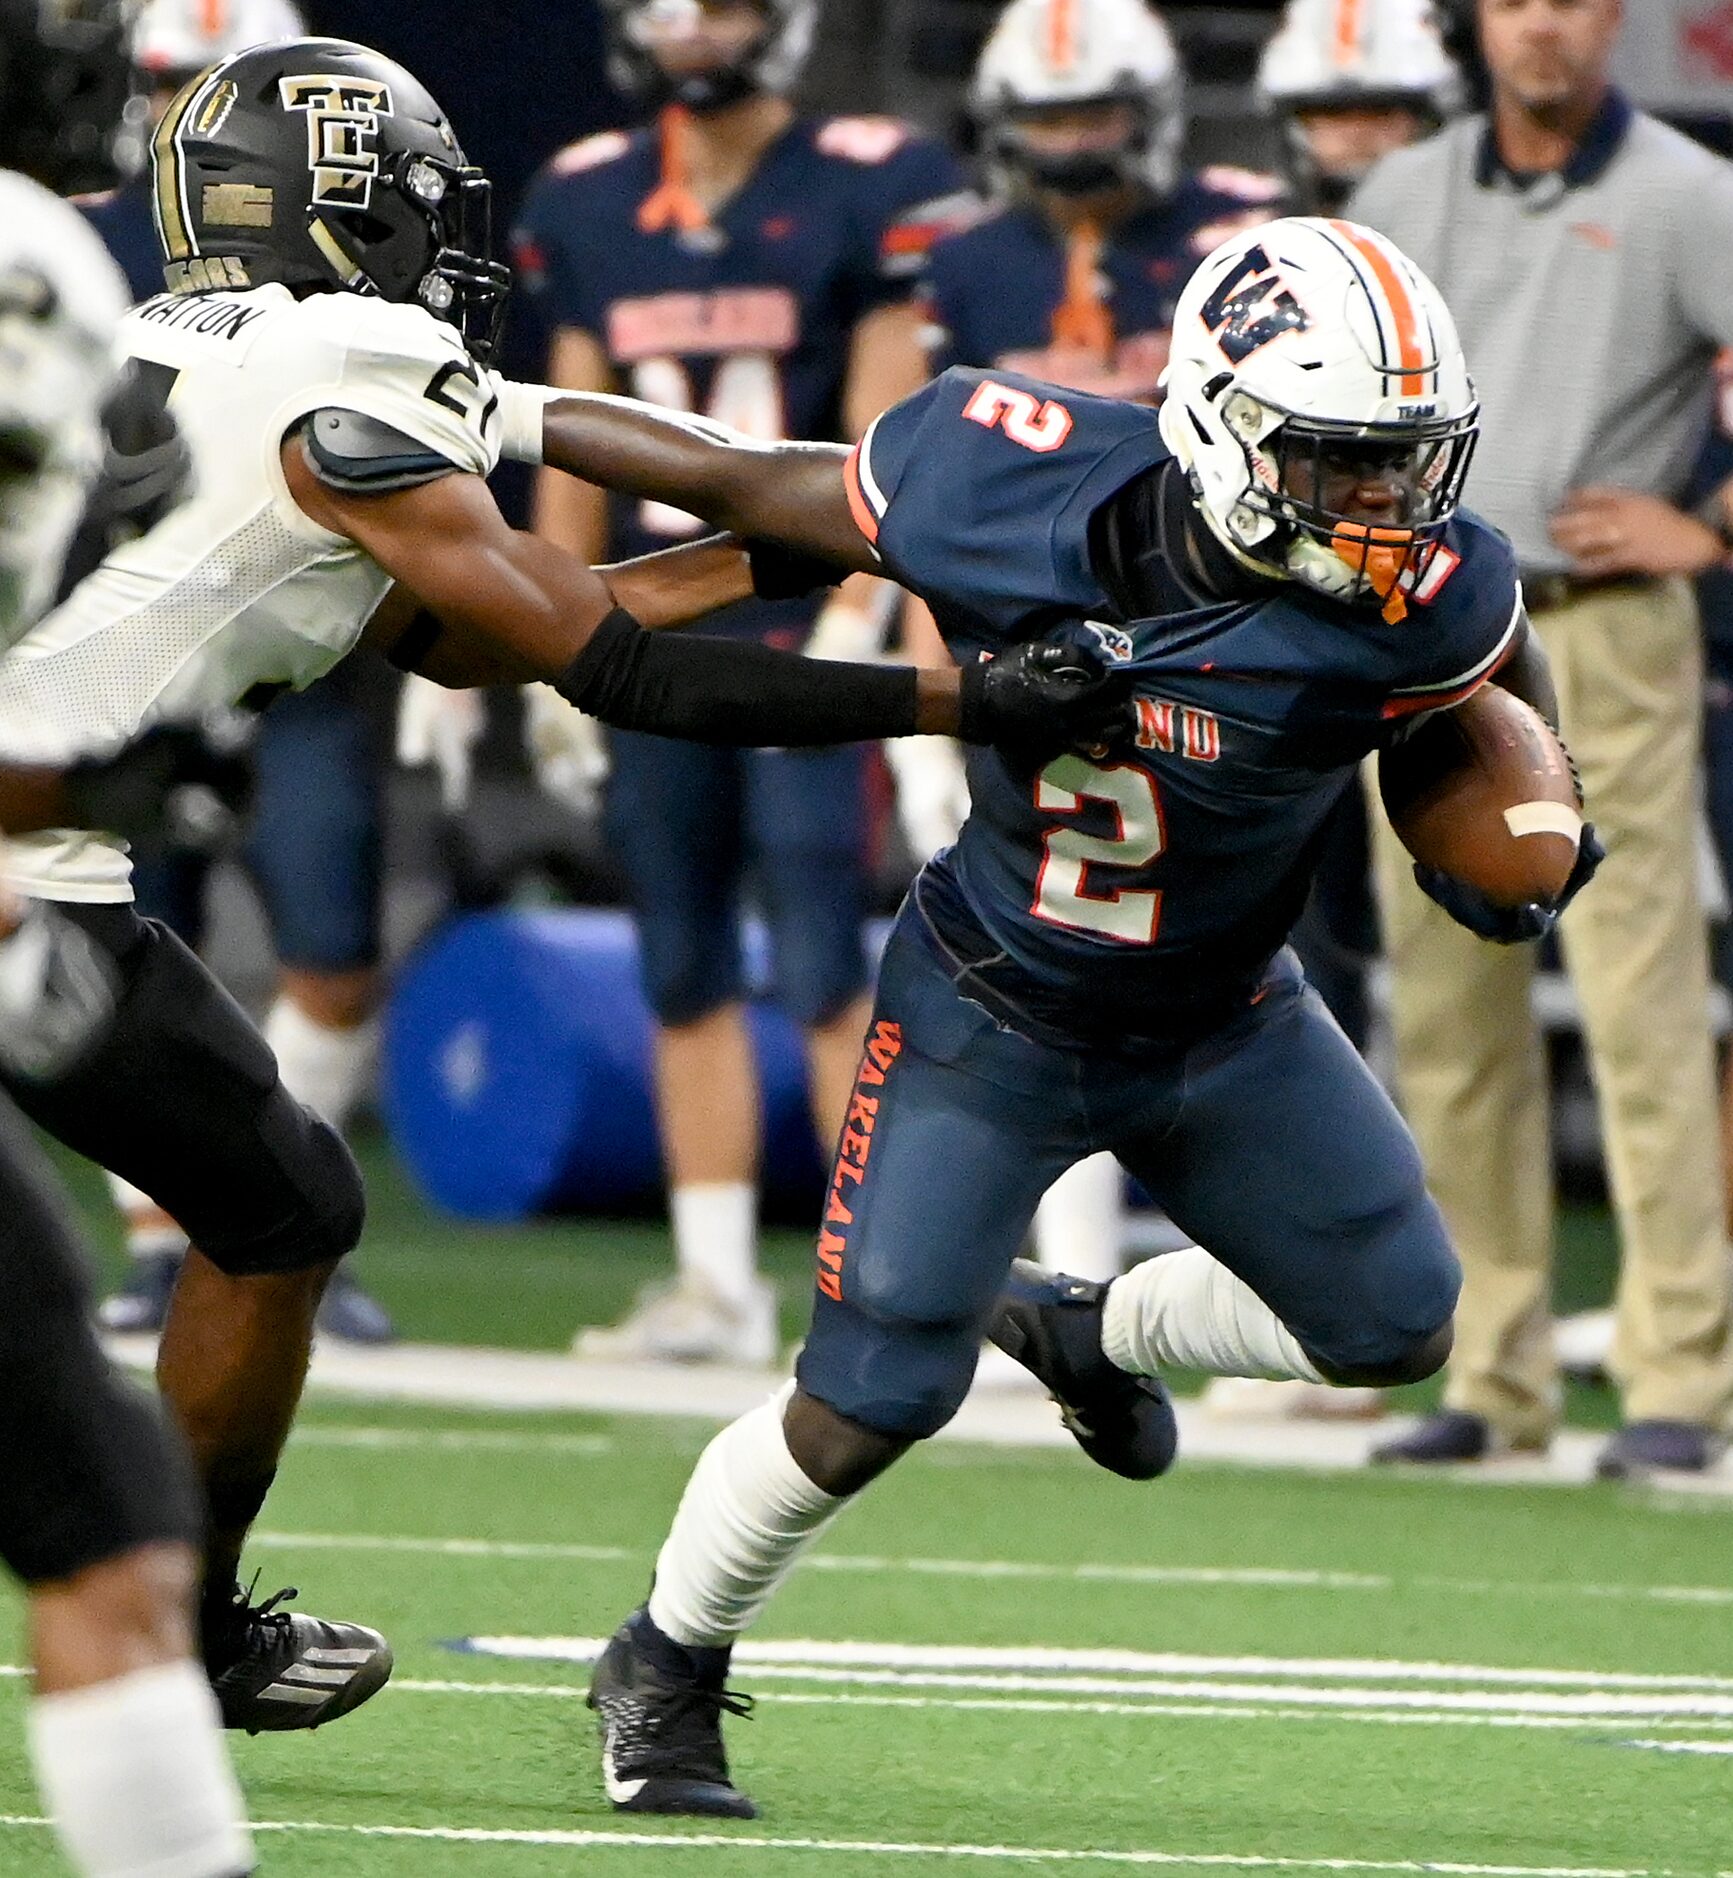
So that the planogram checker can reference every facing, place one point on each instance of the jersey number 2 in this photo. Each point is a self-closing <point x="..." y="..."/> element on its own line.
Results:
<point x="1025" y="420"/>
<point x="1063" y="894"/>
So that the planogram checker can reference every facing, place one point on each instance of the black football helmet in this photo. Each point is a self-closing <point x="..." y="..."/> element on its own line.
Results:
<point x="71" y="114"/>
<point x="772" y="63"/>
<point x="321" y="164"/>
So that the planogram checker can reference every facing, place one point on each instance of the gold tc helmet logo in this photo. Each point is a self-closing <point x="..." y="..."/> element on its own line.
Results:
<point x="342" y="122"/>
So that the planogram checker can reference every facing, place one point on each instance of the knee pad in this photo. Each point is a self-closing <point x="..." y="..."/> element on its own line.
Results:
<point x="325" y="1204"/>
<point x="893" y="1375"/>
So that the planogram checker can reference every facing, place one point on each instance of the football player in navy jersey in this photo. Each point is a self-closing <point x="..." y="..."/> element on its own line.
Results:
<point x="1072" y="277"/>
<point x="1074" y="273"/>
<point x="737" y="260"/>
<point x="1280" y="564"/>
<point x="1349" y="81"/>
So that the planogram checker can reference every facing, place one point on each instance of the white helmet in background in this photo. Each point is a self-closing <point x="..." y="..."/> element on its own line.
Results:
<point x="1298" y="348"/>
<point x="1355" y="55"/>
<point x="173" y="39"/>
<point x="1047" y="56"/>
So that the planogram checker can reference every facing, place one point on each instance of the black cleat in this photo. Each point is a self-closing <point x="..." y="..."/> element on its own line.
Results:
<point x="660" y="1715"/>
<point x="1051" y="1324"/>
<point x="273" y="1669"/>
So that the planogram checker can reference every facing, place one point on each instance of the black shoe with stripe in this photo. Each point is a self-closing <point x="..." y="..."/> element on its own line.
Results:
<point x="659" y="1707"/>
<point x="1052" y="1325"/>
<point x="273" y="1669"/>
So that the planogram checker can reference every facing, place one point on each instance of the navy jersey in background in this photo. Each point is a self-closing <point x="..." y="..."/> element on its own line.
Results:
<point x="992" y="291"/>
<point x="1144" y="897"/>
<point x="748" y="320"/>
<point x="123" y="219"/>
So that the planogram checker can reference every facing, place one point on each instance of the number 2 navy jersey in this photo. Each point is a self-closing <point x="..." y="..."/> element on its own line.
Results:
<point x="1143" y="896"/>
<point x="747" y="320"/>
<point x="992" y="291"/>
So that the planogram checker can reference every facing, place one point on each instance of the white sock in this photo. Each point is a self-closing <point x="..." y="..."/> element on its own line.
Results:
<point x="1188" y="1310"/>
<point x="143" y="1242"/>
<point x="716" y="1236"/>
<point x="137" y="1780"/>
<point x="745" y="1517"/>
<point x="1079" y="1225"/>
<point x="329" y="1070"/>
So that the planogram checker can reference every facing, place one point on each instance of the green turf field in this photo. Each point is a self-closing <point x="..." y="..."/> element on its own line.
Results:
<point x="1326" y="1755"/>
<point x="1356" y="1673"/>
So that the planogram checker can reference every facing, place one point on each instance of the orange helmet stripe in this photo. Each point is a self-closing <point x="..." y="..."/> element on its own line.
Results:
<point x="1347" y="40"/>
<point x="1406" y="315"/>
<point x="1062" y="35"/>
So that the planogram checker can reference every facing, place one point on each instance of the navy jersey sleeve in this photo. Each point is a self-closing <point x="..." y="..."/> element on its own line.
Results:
<point x="1467" y="609"/>
<point x="551" y="241"/>
<point x="908" y="189"/>
<point x="977" y="493"/>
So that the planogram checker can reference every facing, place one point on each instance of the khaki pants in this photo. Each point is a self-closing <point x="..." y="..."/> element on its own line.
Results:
<point x="1470" y="1065"/>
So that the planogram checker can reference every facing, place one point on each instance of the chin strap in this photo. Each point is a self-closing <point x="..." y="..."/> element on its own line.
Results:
<point x="671" y="204"/>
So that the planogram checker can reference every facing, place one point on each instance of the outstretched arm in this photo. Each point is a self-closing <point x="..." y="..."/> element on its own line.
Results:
<point x="791" y="493"/>
<point x="559" y="621"/>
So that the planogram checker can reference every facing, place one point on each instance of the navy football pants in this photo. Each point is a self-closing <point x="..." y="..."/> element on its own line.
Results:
<point x="1270" y="1143"/>
<point x="694" y="826"/>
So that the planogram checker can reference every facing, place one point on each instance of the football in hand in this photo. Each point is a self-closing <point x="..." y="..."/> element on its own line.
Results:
<point x="1484" y="792"/>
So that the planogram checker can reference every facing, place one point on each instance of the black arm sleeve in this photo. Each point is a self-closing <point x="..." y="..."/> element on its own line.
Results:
<point x="720" y="691"/>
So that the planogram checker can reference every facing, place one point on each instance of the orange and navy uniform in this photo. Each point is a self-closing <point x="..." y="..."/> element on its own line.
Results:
<point x="746" y="316"/>
<point x="1090" y="311"/>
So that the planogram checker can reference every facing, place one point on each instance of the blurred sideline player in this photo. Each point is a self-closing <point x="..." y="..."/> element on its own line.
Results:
<point x="98" y="1515"/>
<point x="1073" y="278"/>
<point x="1281" y="566"/>
<point x="738" y="260"/>
<point x="1348" y="81"/>
<point x="327" y="364"/>
<point x="314" y="846"/>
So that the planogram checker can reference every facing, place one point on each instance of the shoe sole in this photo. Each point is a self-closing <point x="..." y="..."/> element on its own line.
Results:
<point x="690" y="1798"/>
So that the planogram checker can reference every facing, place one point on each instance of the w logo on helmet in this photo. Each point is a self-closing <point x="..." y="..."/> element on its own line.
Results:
<point x="1250" y="307"/>
<point x="342" y="125"/>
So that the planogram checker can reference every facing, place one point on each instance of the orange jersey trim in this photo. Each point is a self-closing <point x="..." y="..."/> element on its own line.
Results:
<point x="858" y="506"/>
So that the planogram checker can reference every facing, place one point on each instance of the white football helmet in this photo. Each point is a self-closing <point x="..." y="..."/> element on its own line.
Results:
<point x="1347" y="52"/>
<point x="772" y="63"/>
<point x="1304" y="351"/>
<point x="176" y="38"/>
<point x="1050" y="55"/>
<point x="1353" y="55"/>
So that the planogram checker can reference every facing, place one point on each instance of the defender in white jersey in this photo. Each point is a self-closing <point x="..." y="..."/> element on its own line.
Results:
<point x="98" y="1513"/>
<point x="324" y="347"/>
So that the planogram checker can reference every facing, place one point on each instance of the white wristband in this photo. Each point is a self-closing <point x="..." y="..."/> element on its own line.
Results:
<point x="520" y="419"/>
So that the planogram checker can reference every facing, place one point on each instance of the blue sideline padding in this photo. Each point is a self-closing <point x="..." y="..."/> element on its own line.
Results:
<point x="517" y="1071"/>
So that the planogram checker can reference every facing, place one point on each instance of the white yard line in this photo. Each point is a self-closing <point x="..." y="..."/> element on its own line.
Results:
<point x="449" y="1441"/>
<point x="892" y="1848"/>
<point x="1249" y="1577"/>
<point x="1033" y="1658"/>
<point x="1060" y="1706"/>
<point x="1682" y="1747"/>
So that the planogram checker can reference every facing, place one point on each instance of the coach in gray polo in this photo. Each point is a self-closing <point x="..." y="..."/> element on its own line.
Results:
<point x="1587" y="253"/>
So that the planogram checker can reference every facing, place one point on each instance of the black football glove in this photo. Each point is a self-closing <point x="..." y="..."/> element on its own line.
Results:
<point x="1511" y="925"/>
<point x="1053" y="694"/>
<point x="189" y="786"/>
<point x="780" y="573"/>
